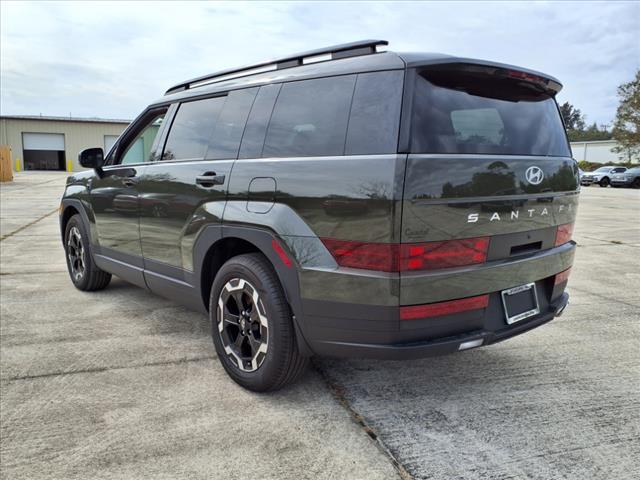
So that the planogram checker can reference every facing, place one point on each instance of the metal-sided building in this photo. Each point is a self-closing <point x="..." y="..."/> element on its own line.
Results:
<point x="53" y="143"/>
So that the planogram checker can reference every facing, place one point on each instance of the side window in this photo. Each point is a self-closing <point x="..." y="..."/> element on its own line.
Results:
<point x="310" y="118"/>
<point x="256" y="129"/>
<point x="139" y="149"/>
<point x="191" y="129"/>
<point x="229" y="127"/>
<point x="375" y="114"/>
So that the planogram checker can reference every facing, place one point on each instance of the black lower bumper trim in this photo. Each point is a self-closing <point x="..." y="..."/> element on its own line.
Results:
<point x="439" y="346"/>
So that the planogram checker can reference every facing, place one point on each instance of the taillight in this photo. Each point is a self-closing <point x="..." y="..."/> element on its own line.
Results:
<point x="451" y="253"/>
<point x="562" y="276"/>
<point x="394" y="257"/>
<point x="370" y="256"/>
<point x="564" y="234"/>
<point x="414" y="312"/>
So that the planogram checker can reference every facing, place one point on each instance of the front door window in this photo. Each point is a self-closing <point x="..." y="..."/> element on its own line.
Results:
<point x="139" y="150"/>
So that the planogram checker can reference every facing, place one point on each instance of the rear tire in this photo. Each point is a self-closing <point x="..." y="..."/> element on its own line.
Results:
<point x="605" y="182"/>
<point x="252" y="325"/>
<point x="84" y="273"/>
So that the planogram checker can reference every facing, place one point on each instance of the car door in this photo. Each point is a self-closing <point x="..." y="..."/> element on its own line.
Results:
<point x="186" y="188"/>
<point x="113" y="195"/>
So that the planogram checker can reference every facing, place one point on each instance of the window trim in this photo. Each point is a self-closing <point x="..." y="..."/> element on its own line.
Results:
<point x="132" y="132"/>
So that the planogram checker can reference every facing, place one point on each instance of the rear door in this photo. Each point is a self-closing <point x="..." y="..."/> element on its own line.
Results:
<point x="187" y="188"/>
<point x="488" y="160"/>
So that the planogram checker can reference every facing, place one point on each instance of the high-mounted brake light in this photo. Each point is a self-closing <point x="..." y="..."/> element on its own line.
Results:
<point x="414" y="312"/>
<point x="526" y="76"/>
<point x="394" y="257"/>
<point x="564" y="234"/>
<point x="562" y="276"/>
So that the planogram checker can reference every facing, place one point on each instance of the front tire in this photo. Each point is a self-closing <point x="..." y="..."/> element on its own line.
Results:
<point x="252" y="325"/>
<point x="605" y="182"/>
<point x="84" y="273"/>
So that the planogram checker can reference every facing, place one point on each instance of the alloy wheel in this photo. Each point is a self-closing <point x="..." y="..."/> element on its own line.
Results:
<point x="242" y="324"/>
<point x="76" y="254"/>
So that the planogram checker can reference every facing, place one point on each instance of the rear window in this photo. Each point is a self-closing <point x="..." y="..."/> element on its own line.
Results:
<point x="458" y="112"/>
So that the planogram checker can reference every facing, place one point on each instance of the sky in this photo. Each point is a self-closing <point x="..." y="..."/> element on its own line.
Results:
<point x="111" y="59"/>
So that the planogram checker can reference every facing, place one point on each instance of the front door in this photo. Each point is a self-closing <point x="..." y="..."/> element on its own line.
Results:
<point x="114" y="193"/>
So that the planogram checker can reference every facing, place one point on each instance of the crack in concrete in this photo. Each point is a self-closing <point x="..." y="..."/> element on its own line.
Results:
<point x="108" y="369"/>
<point x="602" y="297"/>
<point x="338" y="393"/>
<point x="4" y="237"/>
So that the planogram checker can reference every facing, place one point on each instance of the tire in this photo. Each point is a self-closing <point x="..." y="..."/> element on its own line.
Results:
<point x="605" y="182"/>
<point x="83" y="272"/>
<point x="241" y="326"/>
<point x="636" y="183"/>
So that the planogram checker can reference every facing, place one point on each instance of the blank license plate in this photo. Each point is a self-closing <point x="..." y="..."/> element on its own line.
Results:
<point x="520" y="302"/>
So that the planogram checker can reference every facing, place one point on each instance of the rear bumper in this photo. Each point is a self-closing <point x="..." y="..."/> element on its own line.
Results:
<point x="441" y="345"/>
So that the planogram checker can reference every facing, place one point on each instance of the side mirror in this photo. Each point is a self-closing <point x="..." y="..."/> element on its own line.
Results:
<point x="91" y="158"/>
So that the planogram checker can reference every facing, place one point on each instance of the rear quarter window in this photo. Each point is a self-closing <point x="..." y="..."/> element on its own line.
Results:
<point x="310" y="118"/>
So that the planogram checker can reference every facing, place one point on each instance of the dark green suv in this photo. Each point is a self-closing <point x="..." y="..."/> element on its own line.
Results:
<point x="342" y="202"/>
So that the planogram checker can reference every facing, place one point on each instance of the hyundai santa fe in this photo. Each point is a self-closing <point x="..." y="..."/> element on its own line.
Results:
<point x="344" y="201"/>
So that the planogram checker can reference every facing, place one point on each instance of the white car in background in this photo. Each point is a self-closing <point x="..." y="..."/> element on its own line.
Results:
<point x="602" y="176"/>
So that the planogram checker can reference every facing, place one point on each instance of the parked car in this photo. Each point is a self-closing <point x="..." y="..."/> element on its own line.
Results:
<point x="372" y="204"/>
<point x="602" y="176"/>
<point x="630" y="178"/>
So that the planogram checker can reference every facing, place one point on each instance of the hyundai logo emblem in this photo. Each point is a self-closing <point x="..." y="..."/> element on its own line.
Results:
<point x="534" y="175"/>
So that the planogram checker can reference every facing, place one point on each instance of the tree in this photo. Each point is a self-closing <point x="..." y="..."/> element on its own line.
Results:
<point x="573" y="118"/>
<point x="626" y="127"/>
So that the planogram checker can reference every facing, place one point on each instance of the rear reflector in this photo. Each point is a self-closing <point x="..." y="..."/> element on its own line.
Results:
<point x="394" y="257"/>
<point x="562" y="277"/>
<point x="414" y="312"/>
<point x="564" y="234"/>
<point x="281" y="253"/>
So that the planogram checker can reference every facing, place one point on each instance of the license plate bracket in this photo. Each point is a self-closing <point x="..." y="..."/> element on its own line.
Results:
<point x="520" y="302"/>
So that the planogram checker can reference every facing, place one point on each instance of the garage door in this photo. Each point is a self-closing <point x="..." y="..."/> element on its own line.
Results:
<point x="43" y="141"/>
<point x="109" y="140"/>
<point x="43" y="151"/>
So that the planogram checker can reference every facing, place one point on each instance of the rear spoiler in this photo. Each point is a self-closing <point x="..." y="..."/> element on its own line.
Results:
<point x="545" y="82"/>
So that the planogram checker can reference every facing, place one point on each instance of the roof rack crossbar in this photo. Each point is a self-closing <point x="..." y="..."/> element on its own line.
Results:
<point x="362" y="47"/>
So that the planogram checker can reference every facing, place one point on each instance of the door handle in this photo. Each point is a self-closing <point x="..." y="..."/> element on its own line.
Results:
<point x="209" y="179"/>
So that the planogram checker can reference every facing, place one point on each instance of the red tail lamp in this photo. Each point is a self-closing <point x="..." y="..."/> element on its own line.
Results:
<point x="394" y="257"/>
<point x="564" y="234"/>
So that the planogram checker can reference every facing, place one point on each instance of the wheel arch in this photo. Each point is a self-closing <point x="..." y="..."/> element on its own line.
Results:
<point x="71" y="207"/>
<point x="217" y="244"/>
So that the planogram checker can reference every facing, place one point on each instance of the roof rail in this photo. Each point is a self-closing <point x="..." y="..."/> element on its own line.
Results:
<point x="362" y="47"/>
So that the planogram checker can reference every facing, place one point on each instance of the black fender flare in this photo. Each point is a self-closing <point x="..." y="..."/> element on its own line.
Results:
<point x="263" y="240"/>
<point x="79" y="206"/>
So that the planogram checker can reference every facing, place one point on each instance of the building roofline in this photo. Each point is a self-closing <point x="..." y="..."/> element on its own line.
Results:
<point x="593" y="141"/>
<point x="64" y="119"/>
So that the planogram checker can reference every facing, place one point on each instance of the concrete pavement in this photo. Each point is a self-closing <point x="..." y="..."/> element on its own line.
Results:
<point x="124" y="384"/>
